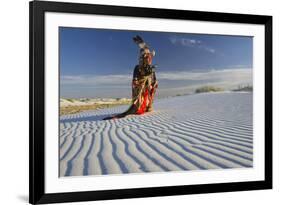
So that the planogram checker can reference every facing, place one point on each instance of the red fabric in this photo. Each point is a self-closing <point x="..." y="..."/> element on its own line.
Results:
<point x="142" y="108"/>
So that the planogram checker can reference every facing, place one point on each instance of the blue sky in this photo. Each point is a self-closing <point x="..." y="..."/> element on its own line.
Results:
<point x="99" y="63"/>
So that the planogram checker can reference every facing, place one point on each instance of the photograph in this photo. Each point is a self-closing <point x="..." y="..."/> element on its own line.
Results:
<point x="138" y="102"/>
<point x="131" y="102"/>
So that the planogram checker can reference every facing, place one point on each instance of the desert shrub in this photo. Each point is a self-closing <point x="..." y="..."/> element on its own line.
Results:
<point x="206" y="89"/>
<point x="70" y="100"/>
<point x="247" y="88"/>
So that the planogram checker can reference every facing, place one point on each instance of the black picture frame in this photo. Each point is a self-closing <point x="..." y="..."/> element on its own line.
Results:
<point x="37" y="194"/>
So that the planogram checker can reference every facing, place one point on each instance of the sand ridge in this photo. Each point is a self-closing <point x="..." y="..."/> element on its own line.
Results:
<point x="194" y="132"/>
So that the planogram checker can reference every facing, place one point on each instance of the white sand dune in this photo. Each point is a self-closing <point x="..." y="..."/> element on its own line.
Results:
<point x="92" y="101"/>
<point x="195" y="132"/>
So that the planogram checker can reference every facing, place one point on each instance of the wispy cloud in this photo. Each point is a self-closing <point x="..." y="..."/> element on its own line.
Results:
<point x="218" y="75"/>
<point x="227" y="79"/>
<point x="184" y="41"/>
<point x="95" y="79"/>
<point x="189" y="42"/>
<point x="211" y="50"/>
<point x="169" y="82"/>
<point x="231" y="75"/>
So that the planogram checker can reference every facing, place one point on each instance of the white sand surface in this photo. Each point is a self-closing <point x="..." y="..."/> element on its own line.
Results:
<point x="195" y="132"/>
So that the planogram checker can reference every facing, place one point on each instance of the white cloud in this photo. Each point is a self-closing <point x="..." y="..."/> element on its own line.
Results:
<point x="227" y="79"/>
<point x="184" y="41"/>
<point x="237" y="75"/>
<point x="191" y="43"/>
<point x="95" y="79"/>
<point x="170" y="83"/>
<point x="225" y="74"/>
<point x="211" y="50"/>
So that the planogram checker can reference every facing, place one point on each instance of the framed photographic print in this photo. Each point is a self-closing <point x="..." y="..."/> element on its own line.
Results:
<point x="141" y="102"/>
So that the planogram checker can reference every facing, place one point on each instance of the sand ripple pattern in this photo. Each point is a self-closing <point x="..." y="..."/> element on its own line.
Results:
<point x="195" y="132"/>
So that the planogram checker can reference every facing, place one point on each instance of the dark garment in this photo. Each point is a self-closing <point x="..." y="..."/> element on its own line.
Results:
<point x="139" y="73"/>
<point x="144" y="86"/>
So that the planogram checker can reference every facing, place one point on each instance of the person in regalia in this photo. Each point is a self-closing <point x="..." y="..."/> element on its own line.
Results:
<point x="144" y="83"/>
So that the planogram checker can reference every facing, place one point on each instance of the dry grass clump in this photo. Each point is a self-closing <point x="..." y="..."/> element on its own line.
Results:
<point x="206" y="89"/>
